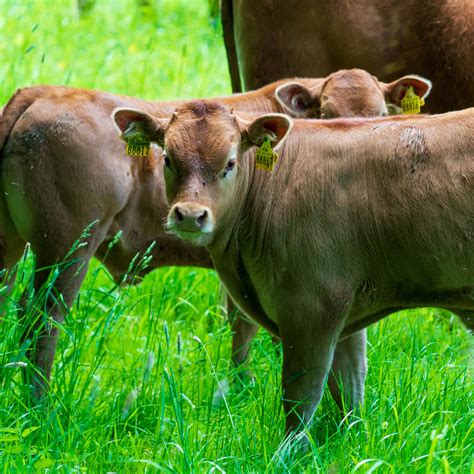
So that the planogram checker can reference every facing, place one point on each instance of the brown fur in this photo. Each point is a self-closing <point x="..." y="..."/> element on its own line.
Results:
<point x="271" y="39"/>
<point x="64" y="167"/>
<point x="355" y="221"/>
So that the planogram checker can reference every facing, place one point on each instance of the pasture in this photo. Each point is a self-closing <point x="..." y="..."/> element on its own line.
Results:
<point x="142" y="380"/>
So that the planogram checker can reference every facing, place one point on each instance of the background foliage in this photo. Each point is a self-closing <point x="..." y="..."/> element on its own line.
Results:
<point x="142" y="375"/>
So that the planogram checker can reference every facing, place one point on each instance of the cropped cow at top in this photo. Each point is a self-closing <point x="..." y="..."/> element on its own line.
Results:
<point x="388" y="38"/>
<point x="53" y="136"/>
<point x="318" y="248"/>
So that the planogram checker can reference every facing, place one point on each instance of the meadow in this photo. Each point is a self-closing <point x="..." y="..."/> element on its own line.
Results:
<point x="142" y="380"/>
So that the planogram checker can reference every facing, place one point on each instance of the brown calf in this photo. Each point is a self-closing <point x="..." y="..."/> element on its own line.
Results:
<point x="386" y="37"/>
<point x="360" y="218"/>
<point x="64" y="167"/>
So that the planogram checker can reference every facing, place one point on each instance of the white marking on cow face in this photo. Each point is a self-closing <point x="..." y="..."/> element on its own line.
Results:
<point x="192" y="222"/>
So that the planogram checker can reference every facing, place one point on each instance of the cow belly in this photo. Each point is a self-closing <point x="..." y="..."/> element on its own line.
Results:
<point x="366" y="311"/>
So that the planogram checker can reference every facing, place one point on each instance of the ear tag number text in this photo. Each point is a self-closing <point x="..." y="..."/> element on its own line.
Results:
<point x="411" y="103"/>
<point x="266" y="156"/>
<point x="137" y="148"/>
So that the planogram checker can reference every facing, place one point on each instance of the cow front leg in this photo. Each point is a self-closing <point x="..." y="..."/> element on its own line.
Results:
<point x="349" y="370"/>
<point x="309" y="343"/>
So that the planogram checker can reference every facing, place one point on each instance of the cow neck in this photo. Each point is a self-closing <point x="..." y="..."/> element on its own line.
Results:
<point x="253" y="211"/>
<point x="229" y="228"/>
<point x="233" y="272"/>
<point x="234" y="241"/>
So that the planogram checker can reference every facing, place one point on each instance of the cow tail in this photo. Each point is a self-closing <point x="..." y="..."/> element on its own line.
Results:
<point x="227" y="19"/>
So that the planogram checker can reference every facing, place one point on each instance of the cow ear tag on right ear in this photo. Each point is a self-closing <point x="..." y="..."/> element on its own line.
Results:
<point x="411" y="103"/>
<point x="266" y="156"/>
<point x="137" y="143"/>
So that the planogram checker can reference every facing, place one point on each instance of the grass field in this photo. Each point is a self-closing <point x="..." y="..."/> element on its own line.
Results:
<point x="137" y="369"/>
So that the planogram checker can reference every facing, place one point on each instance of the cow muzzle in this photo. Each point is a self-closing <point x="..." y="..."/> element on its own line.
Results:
<point x="191" y="221"/>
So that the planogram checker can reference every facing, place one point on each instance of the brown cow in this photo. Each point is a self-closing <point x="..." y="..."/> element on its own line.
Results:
<point x="64" y="167"/>
<point x="271" y="39"/>
<point x="359" y="218"/>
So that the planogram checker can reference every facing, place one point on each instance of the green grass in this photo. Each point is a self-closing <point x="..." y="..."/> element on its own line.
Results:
<point x="137" y="368"/>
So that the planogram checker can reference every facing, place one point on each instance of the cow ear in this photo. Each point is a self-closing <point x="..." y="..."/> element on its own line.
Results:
<point x="396" y="90"/>
<point x="140" y="124"/>
<point x="274" y="126"/>
<point x="296" y="98"/>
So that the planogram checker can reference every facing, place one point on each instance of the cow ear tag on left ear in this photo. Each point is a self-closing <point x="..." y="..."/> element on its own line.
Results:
<point x="411" y="103"/>
<point x="137" y="143"/>
<point x="266" y="156"/>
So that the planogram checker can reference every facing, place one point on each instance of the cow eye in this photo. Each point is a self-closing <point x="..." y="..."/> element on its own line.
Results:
<point x="166" y="160"/>
<point x="229" y="167"/>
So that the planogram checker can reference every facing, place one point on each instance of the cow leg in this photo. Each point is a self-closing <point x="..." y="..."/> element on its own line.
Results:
<point x="309" y="344"/>
<point x="50" y="306"/>
<point x="243" y="331"/>
<point x="349" y="369"/>
<point x="51" y="302"/>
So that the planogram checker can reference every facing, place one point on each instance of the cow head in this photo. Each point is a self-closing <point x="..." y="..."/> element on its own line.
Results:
<point x="348" y="93"/>
<point x="204" y="152"/>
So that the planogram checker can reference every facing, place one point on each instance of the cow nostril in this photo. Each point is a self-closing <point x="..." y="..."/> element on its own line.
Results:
<point x="201" y="220"/>
<point x="178" y="214"/>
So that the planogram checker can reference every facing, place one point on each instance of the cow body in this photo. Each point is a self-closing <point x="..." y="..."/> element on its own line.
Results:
<point x="66" y="135"/>
<point x="358" y="219"/>
<point x="384" y="210"/>
<point x="64" y="168"/>
<point x="271" y="39"/>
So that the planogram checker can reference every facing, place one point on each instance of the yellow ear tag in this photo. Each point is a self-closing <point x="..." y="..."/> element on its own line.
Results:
<point x="137" y="144"/>
<point x="266" y="156"/>
<point x="411" y="103"/>
<point x="137" y="148"/>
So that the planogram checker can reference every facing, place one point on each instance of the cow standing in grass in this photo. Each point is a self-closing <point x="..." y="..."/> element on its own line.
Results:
<point x="64" y="167"/>
<point x="359" y="218"/>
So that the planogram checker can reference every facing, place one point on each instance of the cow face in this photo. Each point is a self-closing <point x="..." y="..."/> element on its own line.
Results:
<point x="204" y="148"/>
<point x="348" y="93"/>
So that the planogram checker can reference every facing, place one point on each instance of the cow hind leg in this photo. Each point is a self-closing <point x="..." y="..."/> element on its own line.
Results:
<point x="349" y="370"/>
<point x="55" y="289"/>
<point x="243" y="331"/>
